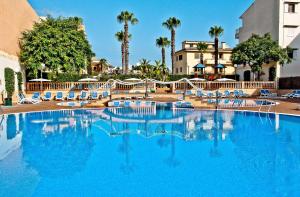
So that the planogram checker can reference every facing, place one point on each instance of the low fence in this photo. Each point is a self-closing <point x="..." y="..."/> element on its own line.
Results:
<point x="213" y="85"/>
<point x="208" y="85"/>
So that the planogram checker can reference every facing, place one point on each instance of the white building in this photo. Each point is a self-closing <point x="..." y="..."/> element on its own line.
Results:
<point x="281" y="18"/>
<point x="16" y="16"/>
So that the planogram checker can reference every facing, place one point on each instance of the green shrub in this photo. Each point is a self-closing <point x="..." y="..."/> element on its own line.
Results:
<point x="177" y="77"/>
<point x="20" y="81"/>
<point x="9" y="76"/>
<point x="69" y="77"/>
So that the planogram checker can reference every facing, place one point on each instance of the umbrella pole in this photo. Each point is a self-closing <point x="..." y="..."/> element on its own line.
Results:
<point x="41" y="81"/>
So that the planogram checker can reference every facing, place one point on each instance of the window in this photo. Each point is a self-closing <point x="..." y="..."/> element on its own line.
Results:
<point x="290" y="7"/>
<point x="292" y="53"/>
<point x="176" y="70"/>
<point x="197" y="55"/>
<point x="181" y="69"/>
<point x="221" y="56"/>
<point x="191" y="45"/>
<point x="180" y="57"/>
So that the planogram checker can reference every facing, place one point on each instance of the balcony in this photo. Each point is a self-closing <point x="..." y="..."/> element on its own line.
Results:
<point x="221" y="61"/>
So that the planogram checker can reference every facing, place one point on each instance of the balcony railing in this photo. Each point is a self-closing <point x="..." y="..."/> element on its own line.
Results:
<point x="221" y="61"/>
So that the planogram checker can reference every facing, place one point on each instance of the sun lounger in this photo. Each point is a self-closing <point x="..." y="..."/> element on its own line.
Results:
<point x="47" y="96"/>
<point x="71" y="95"/>
<point x="188" y="92"/>
<point x="226" y="94"/>
<point x="178" y="92"/>
<point x="243" y="94"/>
<point x="83" y="95"/>
<point x="104" y="94"/>
<point x="210" y="94"/>
<point x="23" y="100"/>
<point x="36" y="96"/>
<point x="219" y="94"/>
<point x="127" y="103"/>
<point x="236" y="94"/>
<point x="294" y="94"/>
<point x="267" y="93"/>
<point x="59" y="96"/>
<point x="94" y="95"/>
<point x="116" y="104"/>
<point x="200" y="93"/>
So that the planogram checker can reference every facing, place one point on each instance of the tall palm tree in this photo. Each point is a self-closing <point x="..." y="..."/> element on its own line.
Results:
<point x="163" y="42"/>
<point x="202" y="47"/>
<point x="215" y="32"/>
<point x="120" y="37"/>
<point x="126" y="18"/>
<point x="171" y="24"/>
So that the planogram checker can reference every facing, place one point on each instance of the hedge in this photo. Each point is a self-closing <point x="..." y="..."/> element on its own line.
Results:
<point x="20" y="81"/>
<point x="9" y="76"/>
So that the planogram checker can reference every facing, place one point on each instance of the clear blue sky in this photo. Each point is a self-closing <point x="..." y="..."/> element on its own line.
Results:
<point x="197" y="16"/>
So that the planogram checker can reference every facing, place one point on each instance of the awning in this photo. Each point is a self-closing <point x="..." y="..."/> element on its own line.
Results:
<point x="220" y="66"/>
<point x="199" y="66"/>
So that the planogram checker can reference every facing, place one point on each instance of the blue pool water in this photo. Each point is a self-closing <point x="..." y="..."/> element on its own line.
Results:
<point x="155" y="151"/>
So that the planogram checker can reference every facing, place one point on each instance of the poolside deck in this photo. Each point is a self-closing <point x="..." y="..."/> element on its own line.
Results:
<point x="287" y="106"/>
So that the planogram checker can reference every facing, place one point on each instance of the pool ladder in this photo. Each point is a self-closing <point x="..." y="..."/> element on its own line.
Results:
<point x="269" y="107"/>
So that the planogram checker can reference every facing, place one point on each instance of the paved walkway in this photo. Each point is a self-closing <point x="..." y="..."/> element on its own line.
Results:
<point x="288" y="106"/>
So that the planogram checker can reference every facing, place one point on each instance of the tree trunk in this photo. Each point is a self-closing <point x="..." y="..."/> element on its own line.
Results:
<point x="216" y="51"/>
<point x="163" y="55"/>
<point x="201" y="58"/>
<point x="126" y="45"/>
<point x="123" y="57"/>
<point x="173" y="49"/>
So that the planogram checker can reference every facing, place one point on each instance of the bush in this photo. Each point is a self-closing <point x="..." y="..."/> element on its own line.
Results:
<point x="178" y="77"/>
<point x="69" y="77"/>
<point x="9" y="76"/>
<point x="20" y="81"/>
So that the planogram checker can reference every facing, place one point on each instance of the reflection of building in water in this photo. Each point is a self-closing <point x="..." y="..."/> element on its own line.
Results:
<point x="10" y="134"/>
<point x="13" y="169"/>
<point x="184" y="123"/>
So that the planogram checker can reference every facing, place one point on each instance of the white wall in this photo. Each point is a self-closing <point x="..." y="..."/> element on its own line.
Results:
<point x="10" y="62"/>
<point x="261" y="18"/>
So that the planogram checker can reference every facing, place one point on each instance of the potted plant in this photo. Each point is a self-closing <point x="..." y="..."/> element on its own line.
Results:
<point x="9" y="76"/>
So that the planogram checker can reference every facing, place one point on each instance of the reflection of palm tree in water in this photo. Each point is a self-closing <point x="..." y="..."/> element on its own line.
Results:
<point x="171" y="160"/>
<point x="163" y="141"/>
<point x="214" y="152"/>
<point x="125" y="148"/>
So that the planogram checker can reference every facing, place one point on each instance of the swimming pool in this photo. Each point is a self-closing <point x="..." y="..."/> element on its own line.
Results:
<point x="158" y="151"/>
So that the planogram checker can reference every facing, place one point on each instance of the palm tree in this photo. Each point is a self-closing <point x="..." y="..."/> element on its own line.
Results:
<point x="161" y="71"/>
<point x="202" y="47"/>
<point x="126" y="18"/>
<point x="120" y="37"/>
<point x="215" y="32"/>
<point x="163" y="42"/>
<point x="103" y="64"/>
<point x="171" y="24"/>
<point x="145" y="68"/>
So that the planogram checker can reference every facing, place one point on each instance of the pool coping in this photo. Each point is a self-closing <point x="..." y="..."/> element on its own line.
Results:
<point x="198" y="109"/>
